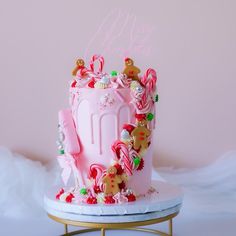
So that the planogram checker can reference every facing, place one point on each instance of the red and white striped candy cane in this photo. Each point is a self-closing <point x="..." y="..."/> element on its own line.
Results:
<point x="96" y="172"/>
<point x="121" y="153"/>
<point x="85" y="72"/>
<point x="142" y="102"/>
<point x="149" y="81"/>
<point x="101" y="63"/>
<point x="133" y="154"/>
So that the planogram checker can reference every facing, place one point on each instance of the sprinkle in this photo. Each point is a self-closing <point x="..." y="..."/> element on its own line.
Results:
<point x="136" y="161"/>
<point x="150" y="116"/>
<point x="61" y="151"/>
<point x="83" y="191"/>
<point x="156" y="98"/>
<point x="114" y="73"/>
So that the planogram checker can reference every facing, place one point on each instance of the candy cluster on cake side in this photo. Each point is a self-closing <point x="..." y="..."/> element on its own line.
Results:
<point x="105" y="137"/>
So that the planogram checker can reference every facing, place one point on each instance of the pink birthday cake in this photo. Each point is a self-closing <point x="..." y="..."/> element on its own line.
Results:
<point x="106" y="135"/>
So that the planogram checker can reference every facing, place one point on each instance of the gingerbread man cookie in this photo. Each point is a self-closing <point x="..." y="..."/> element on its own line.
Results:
<point x="111" y="181"/>
<point x="79" y="65"/>
<point x="130" y="70"/>
<point x="140" y="134"/>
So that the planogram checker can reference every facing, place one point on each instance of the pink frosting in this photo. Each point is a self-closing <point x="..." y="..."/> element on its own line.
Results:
<point x="98" y="129"/>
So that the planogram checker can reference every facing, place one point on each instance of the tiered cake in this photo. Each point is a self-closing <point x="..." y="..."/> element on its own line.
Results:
<point x="105" y="137"/>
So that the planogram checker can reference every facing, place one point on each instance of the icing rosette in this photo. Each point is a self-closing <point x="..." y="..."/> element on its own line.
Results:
<point x="103" y="83"/>
<point x="100" y="85"/>
<point x="125" y="136"/>
<point x="120" y="197"/>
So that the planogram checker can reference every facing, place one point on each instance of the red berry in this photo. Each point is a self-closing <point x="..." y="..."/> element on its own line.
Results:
<point x="109" y="200"/>
<point x="131" y="197"/>
<point x="91" y="200"/>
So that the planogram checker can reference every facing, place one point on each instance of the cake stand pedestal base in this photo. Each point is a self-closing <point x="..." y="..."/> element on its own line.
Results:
<point x="103" y="227"/>
<point x="155" y="208"/>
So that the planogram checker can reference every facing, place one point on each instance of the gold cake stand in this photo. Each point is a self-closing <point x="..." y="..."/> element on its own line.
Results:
<point x="97" y="226"/>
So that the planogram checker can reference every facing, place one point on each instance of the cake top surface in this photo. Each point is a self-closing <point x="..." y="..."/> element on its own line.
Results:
<point x="91" y="78"/>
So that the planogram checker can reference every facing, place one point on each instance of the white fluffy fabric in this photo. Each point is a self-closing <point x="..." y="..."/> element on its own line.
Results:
<point x="210" y="189"/>
<point x="22" y="184"/>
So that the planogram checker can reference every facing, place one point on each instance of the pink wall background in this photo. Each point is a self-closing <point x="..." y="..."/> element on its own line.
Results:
<point x="191" y="43"/>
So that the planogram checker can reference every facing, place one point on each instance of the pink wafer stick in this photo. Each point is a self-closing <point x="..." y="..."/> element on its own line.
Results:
<point x="101" y="63"/>
<point x="71" y="141"/>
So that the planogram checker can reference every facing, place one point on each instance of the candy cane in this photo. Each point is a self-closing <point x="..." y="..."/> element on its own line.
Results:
<point x="121" y="153"/>
<point x="142" y="101"/>
<point x="150" y="83"/>
<point x="133" y="154"/>
<point x="85" y="72"/>
<point x="100" y="169"/>
<point x="101" y="62"/>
